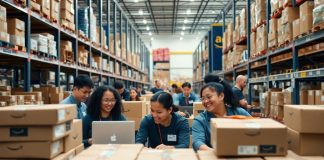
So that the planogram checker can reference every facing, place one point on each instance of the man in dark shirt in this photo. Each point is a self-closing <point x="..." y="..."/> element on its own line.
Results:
<point x="238" y="91"/>
<point x="124" y="93"/>
<point x="157" y="87"/>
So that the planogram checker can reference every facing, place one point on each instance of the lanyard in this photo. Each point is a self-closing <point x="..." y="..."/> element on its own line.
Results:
<point x="160" y="133"/>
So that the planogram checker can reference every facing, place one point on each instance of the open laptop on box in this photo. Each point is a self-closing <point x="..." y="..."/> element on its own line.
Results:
<point x="188" y="110"/>
<point x="113" y="132"/>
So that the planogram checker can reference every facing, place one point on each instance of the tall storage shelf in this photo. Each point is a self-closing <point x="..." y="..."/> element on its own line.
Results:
<point x="100" y="44"/>
<point x="288" y="64"/>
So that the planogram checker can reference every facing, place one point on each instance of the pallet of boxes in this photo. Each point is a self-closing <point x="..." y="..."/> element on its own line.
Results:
<point x="51" y="94"/>
<point x="53" y="134"/>
<point x="4" y="36"/>
<point x="67" y="55"/>
<point x="45" y="8"/>
<point x="318" y="12"/>
<point x="83" y="55"/>
<point x="67" y="15"/>
<point x="16" y="29"/>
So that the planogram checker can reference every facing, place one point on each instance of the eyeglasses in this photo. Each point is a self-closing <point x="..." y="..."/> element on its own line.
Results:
<point x="208" y="97"/>
<point x="107" y="101"/>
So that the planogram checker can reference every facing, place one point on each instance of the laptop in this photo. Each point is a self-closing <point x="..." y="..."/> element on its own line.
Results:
<point x="113" y="132"/>
<point x="188" y="110"/>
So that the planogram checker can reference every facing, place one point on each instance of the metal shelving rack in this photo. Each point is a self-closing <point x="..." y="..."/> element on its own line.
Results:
<point x="269" y="80"/>
<point x="12" y="59"/>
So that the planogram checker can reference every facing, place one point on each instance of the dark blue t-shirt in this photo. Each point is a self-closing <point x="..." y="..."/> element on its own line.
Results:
<point x="238" y="93"/>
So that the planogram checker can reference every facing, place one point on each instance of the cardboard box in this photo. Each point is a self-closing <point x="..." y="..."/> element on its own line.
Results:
<point x="273" y="29"/>
<point x="35" y="133"/>
<point x="79" y="149"/>
<point x="31" y="149"/>
<point x="306" y="8"/>
<point x="14" y="24"/>
<point x="287" y="97"/>
<point x="3" y="26"/>
<point x="293" y="156"/>
<point x="250" y="137"/>
<point x="305" y="144"/>
<point x="307" y="21"/>
<point x="296" y="28"/>
<point x="66" y="156"/>
<point x="5" y="88"/>
<point x="38" y="95"/>
<point x="67" y="5"/>
<point x="302" y="118"/>
<point x="210" y="155"/>
<point x="35" y="6"/>
<point x="29" y="114"/>
<point x="74" y="139"/>
<point x="319" y="97"/>
<point x="3" y="14"/>
<point x="115" y="152"/>
<point x="303" y="97"/>
<point x="17" y="40"/>
<point x="134" y="109"/>
<point x="198" y="108"/>
<point x="151" y="154"/>
<point x="311" y="97"/>
<point x="4" y="37"/>
<point x="55" y="9"/>
<point x="10" y="100"/>
<point x="289" y="14"/>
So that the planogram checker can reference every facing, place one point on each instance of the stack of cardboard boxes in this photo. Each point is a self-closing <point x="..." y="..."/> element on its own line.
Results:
<point x="253" y="44"/>
<point x="305" y="138"/>
<point x="111" y="151"/>
<point x="260" y="12"/>
<point x="318" y="13"/>
<point x="243" y="23"/>
<point x="16" y="96"/>
<point x="262" y="39"/>
<point x="51" y="44"/>
<point x="236" y="34"/>
<point x="66" y="52"/>
<point x="4" y="36"/>
<point x="16" y="29"/>
<point x="248" y="137"/>
<point x="45" y="7"/>
<point x="105" y="66"/>
<point x="117" y="68"/>
<point x="123" y="46"/>
<point x="285" y="31"/>
<point x="29" y="134"/>
<point x="311" y="97"/>
<point x="29" y="97"/>
<point x="230" y="30"/>
<point x="50" y="94"/>
<point x="277" y="101"/>
<point x="55" y="10"/>
<point x="97" y="61"/>
<point x="67" y="14"/>
<point x="41" y="43"/>
<point x="93" y="27"/>
<point x="273" y="33"/>
<point x="135" y="111"/>
<point x="83" y="55"/>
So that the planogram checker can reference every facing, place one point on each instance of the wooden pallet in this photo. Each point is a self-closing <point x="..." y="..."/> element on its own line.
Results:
<point x="277" y="13"/>
<point x="83" y="65"/>
<point x="46" y="16"/>
<point x="67" y="28"/>
<point x="271" y="48"/>
<point x="261" y="53"/>
<point x="36" y="10"/>
<point x="20" y="3"/>
<point x="53" y="20"/>
<point x="18" y="48"/>
<point x="285" y="43"/>
<point x="241" y="40"/>
<point x="318" y="27"/>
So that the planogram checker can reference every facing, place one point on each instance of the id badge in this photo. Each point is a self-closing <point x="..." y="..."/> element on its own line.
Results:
<point x="172" y="138"/>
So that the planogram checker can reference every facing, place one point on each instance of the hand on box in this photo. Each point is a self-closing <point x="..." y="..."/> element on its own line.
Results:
<point x="162" y="146"/>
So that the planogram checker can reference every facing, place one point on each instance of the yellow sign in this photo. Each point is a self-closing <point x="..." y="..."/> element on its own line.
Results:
<point x="218" y="40"/>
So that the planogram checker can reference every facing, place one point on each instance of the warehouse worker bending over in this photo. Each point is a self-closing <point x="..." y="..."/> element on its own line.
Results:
<point x="164" y="128"/>
<point x="187" y="97"/>
<point x="104" y="105"/>
<point x="124" y="93"/>
<point x="238" y="91"/>
<point x="81" y="90"/>
<point x="217" y="105"/>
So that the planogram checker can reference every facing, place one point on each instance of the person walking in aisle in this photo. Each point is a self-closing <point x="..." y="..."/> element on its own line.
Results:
<point x="124" y="93"/>
<point x="187" y="97"/>
<point x="104" y="105"/>
<point x="163" y="128"/>
<point x="157" y="87"/>
<point x="81" y="90"/>
<point x="217" y="105"/>
<point x="134" y="95"/>
<point x="240" y="84"/>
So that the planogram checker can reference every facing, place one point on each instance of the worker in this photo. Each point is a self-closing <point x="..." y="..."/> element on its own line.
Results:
<point x="157" y="87"/>
<point x="140" y="90"/>
<point x="240" y="84"/>
<point x="134" y="95"/>
<point x="124" y="93"/>
<point x="163" y="128"/>
<point x="104" y="105"/>
<point x="217" y="105"/>
<point x="81" y="90"/>
<point x="175" y="89"/>
<point x="187" y="97"/>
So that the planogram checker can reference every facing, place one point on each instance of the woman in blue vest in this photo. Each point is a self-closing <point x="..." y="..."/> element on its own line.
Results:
<point x="217" y="105"/>
<point x="104" y="105"/>
<point x="164" y="128"/>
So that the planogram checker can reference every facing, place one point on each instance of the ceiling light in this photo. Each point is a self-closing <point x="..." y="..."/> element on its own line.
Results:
<point x="140" y="12"/>
<point x="192" y="0"/>
<point x="152" y="38"/>
<point x="188" y="11"/>
<point x="144" y="21"/>
<point x="183" y="28"/>
<point x="213" y="12"/>
<point x="135" y="1"/>
<point x="203" y="27"/>
<point x="150" y="33"/>
<point x="185" y="21"/>
<point x="147" y="28"/>
<point x="182" y="33"/>
<point x="181" y="38"/>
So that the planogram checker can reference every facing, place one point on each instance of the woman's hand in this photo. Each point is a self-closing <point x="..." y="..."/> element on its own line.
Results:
<point x="162" y="146"/>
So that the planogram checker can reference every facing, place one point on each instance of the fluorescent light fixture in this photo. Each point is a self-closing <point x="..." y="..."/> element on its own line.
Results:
<point x="185" y="21"/>
<point x="183" y="28"/>
<point x="135" y="1"/>
<point x="144" y="21"/>
<point x="203" y="27"/>
<point x="140" y="11"/>
<point x="181" y="38"/>
<point x="213" y="12"/>
<point x="192" y="0"/>
<point x="150" y="33"/>
<point x="147" y="28"/>
<point x="188" y="11"/>
<point x="152" y="38"/>
<point x="182" y="33"/>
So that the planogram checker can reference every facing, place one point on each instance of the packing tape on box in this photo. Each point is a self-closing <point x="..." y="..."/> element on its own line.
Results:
<point x="55" y="147"/>
<point x="59" y="130"/>
<point x="252" y="128"/>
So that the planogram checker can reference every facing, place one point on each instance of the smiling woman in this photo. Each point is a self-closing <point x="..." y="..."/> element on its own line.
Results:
<point x="104" y="105"/>
<point x="164" y="128"/>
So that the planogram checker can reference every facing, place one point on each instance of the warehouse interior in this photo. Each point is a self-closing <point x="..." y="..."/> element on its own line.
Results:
<point x="162" y="79"/>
